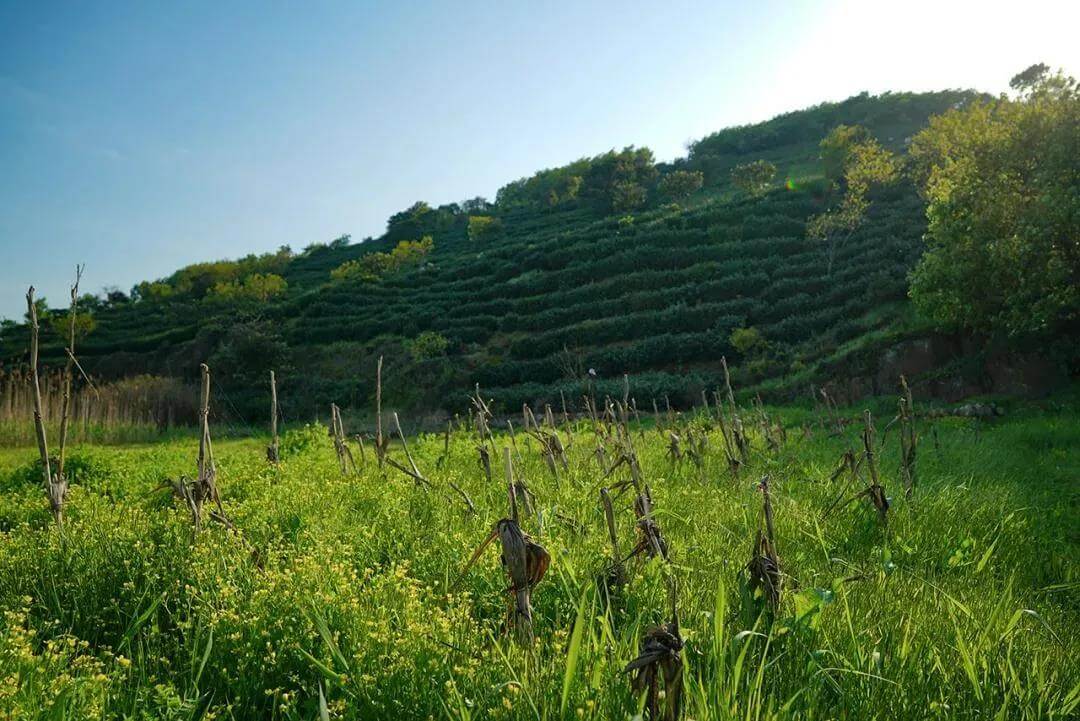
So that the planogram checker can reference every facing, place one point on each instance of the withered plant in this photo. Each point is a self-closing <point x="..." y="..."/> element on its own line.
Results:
<point x="204" y="488"/>
<point x="764" y="566"/>
<point x="525" y="562"/>
<point x="341" y="445"/>
<point x="874" y="490"/>
<point x="54" y="480"/>
<point x="658" y="668"/>
<point x="485" y="439"/>
<point x="738" y="433"/>
<point x="413" y="471"/>
<point x="615" y="577"/>
<point x="909" y="439"/>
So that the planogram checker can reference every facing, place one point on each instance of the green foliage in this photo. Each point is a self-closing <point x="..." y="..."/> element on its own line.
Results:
<point x="613" y="182"/>
<point x="546" y="188"/>
<point x="837" y="147"/>
<point x="257" y="287"/>
<point x="889" y="115"/>
<point x="374" y="266"/>
<point x="484" y="227"/>
<point x="656" y="296"/>
<point x="246" y="352"/>
<point x="619" y="181"/>
<point x="855" y="163"/>
<point x="60" y="323"/>
<point x="627" y="195"/>
<point x="428" y="345"/>
<point x="195" y="281"/>
<point x="1003" y="190"/>
<point x="680" y="184"/>
<point x="41" y="310"/>
<point x="753" y="178"/>
<point x="298" y="441"/>
<point x="746" y="340"/>
<point x="334" y="591"/>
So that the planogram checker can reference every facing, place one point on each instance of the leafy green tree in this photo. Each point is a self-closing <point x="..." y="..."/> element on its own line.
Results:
<point x="865" y="164"/>
<point x="61" y="324"/>
<point x="753" y="178"/>
<point x="427" y="345"/>
<point x="412" y="222"/>
<point x="619" y="181"/>
<point x="479" y="204"/>
<point x="836" y="148"/>
<point x="1002" y="185"/>
<point x="373" y="266"/>
<point x="41" y="309"/>
<point x="570" y="188"/>
<point x="257" y="287"/>
<point x="681" y="184"/>
<point x="484" y="227"/>
<point x="627" y="195"/>
<point x="746" y="340"/>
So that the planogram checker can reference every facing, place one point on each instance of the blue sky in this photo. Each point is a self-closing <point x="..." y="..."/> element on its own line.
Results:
<point x="139" y="137"/>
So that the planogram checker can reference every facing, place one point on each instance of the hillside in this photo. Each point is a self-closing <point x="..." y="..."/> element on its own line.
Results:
<point x="560" y="275"/>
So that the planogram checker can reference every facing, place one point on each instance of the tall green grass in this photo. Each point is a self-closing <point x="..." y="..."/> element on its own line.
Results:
<point x="967" y="605"/>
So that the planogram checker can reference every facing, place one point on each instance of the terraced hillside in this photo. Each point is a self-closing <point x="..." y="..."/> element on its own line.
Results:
<point x="557" y="284"/>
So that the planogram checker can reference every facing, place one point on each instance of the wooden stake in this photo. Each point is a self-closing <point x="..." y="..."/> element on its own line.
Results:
<point x="380" y="443"/>
<point x="68" y="372"/>
<point x="55" y="488"/>
<point x="272" y="453"/>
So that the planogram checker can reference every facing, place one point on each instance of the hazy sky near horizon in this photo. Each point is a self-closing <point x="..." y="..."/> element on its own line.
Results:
<point x="138" y="137"/>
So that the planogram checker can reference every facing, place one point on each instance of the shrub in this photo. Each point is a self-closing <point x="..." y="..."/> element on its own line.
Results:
<point x="484" y="227"/>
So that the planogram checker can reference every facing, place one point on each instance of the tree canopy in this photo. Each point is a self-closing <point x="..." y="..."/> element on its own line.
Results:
<point x="854" y="163"/>
<point x="1002" y="184"/>
<point x="373" y="266"/>
<point x="681" y="184"/>
<point x="753" y="178"/>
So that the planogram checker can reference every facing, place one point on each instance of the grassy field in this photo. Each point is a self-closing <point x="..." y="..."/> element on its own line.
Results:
<point x="344" y="595"/>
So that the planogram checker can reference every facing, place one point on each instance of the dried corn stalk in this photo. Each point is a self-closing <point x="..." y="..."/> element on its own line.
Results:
<point x="551" y="445"/>
<point x="674" y="450"/>
<point x="660" y="662"/>
<point x="874" y="490"/>
<point x="764" y="566"/>
<point x="525" y="562"/>
<point x="832" y="409"/>
<point x="481" y="420"/>
<point x="738" y="433"/>
<point x="414" y="471"/>
<point x="909" y="439"/>
<point x="616" y="574"/>
<point x="519" y="491"/>
<point x="204" y="488"/>
<point x="341" y="447"/>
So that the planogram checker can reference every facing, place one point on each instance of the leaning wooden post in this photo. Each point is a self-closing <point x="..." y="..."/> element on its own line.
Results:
<point x="380" y="445"/>
<point x="876" y="491"/>
<point x="204" y="420"/>
<point x="69" y="371"/>
<point x="206" y="482"/>
<point x="55" y="488"/>
<point x="908" y="438"/>
<point x="272" y="452"/>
